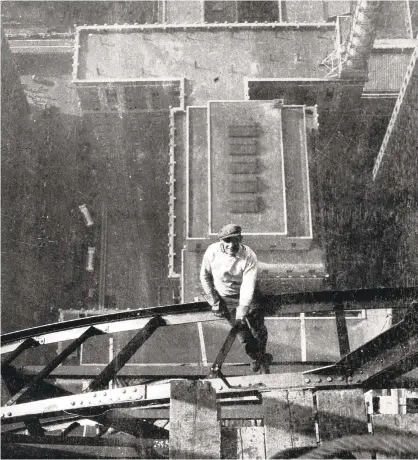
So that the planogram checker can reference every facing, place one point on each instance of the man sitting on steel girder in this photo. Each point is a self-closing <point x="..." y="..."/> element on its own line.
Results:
<point x="228" y="276"/>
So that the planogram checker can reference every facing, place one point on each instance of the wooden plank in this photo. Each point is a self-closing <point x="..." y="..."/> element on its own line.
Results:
<point x="244" y="442"/>
<point x="288" y="420"/>
<point x="194" y="425"/>
<point x="301" y="407"/>
<point x="251" y="442"/>
<point x="341" y="413"/>
<point x="395" y="423"/>
<point x="229" y="442"/>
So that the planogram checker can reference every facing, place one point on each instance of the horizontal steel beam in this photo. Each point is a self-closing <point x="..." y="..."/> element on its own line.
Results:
<point x="73" y="440"/>
<point x="226" y="412"/>
<point x="385" y="357"/>
<point x="96" y="403"/>
<point x="157" y="372"/>
<point x="200" y="312"/>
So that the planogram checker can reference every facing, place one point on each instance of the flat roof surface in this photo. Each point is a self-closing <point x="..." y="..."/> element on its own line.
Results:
<point x="255" y="124"/>
<point x="247" y="162"/>
<point x="215" y="60"/>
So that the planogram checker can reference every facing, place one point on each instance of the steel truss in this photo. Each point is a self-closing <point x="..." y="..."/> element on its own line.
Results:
<point x="37" y="405"/>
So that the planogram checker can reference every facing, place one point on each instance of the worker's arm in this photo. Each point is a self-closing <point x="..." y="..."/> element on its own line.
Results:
<point x="206" y="279"/>
<point x="249" y="279"/>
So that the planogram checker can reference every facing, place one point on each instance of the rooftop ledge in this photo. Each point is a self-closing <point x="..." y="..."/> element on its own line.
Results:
<point x="200" y="26"/>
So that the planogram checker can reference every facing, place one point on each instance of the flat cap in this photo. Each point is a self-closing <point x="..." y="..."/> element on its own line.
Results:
<point x="229" y="230"/>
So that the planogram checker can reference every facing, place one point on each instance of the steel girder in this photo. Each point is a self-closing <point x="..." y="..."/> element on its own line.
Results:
<point x="200" y="312"/>
<point x="378" y="362"/>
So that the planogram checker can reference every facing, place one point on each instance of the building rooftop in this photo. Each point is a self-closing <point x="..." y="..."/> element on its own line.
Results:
<point x="257" y="50"/>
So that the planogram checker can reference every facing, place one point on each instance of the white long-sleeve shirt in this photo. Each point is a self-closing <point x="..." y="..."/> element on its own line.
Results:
<point x="228" y="275"/>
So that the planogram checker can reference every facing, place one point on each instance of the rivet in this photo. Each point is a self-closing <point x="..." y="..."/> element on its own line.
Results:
<point x="124" y="391"/>
<point x="9" y="414"/>
<point x="73" y="403"/>
<point x="307" y="380"/>
<point x="135" y="390"/>
<point x="221" y="387"/>
<point x="319" y="380"/>
<point x="140" y="397"/>
<point x="94" y="395"/>
<point x="104" y="394"/>
<point x="329" y="379"/>
<point x="361" y="372"/>
<point x="341" y="379"/>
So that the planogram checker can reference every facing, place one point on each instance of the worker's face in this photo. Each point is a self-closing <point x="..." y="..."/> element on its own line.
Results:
<point x="231" y="245"/>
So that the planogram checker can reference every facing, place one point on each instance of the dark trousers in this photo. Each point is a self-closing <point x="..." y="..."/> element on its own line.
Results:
<point x="253" y="335"/>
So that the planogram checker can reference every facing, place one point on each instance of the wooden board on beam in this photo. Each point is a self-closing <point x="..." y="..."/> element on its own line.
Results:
<point x="395" y="424"/>
<point x="244" y="443"/>
<point x="341" y="413"/>
<point x="288" y="420"/>
<point x="194" y="425"/>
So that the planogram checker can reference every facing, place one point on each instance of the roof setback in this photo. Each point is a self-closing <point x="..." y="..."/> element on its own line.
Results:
<point x="246" y="160"/>
<point x="248" y="50"/>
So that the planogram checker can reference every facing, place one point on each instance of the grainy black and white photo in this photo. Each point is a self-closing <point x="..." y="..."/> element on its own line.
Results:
<point x="209" y="229"/>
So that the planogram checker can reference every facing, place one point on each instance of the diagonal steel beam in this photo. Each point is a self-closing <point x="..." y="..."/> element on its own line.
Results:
<point x="215" y="370"/>
<point x="381" y="345"/>
<point x="110" y="371"/>
<point x="384" y="358"/>
<point x="14" y="380"/>
<point x="90" y="332"/>
<point x="393" y="370"/>
<point x="27" y="343"/>
<point x="130" y="424"/>
<point x="342" y="332"/>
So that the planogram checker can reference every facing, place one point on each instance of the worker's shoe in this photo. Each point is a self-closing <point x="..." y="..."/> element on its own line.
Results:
<point x="262" y="363"/>
<point x="255" y="365"/>
<point x="265" y="363"/>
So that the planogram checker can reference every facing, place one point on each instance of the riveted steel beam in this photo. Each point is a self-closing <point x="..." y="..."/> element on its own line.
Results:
<point x="215" y="370"/>
<point x="384" y="358"/>
<point x="24" y="345"/>
<point x="96" y="403"/>
<point x="90" y="332"/>
<point x="70" y="440"/>
<point x="342" y="332"/>
<point x="110" y="371"/>
<point x="87" y="404"/>
<point x="200" y="311"/>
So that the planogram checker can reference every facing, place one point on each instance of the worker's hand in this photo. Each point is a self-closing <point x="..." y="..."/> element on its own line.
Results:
<point x="218" y="308"/>
<point x="240" y="323"/>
